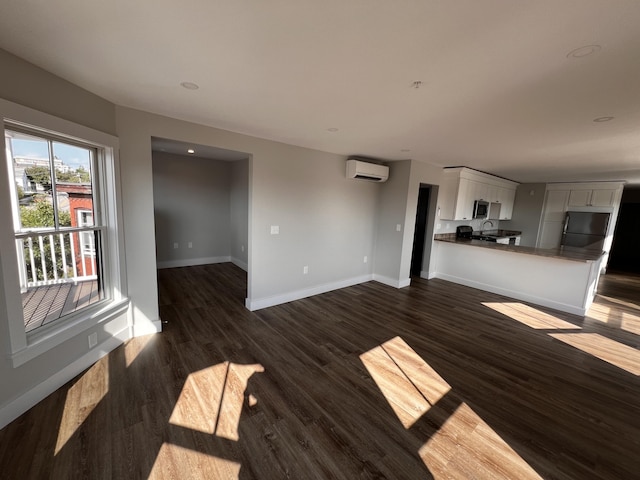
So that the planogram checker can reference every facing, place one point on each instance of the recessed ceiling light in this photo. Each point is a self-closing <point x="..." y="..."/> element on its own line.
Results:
<point x="332" y="129"/>
<point x="191" y="150"/>
<point x="603" y="119"/>
<point x="584" y="51"/>
<point x="190" y="85"/>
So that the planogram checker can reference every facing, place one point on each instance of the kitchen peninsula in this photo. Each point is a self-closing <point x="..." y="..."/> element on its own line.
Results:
<point x="561" y="278"/>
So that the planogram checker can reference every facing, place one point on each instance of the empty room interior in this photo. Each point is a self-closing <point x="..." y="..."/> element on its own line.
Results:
<point x="320" y="240"/>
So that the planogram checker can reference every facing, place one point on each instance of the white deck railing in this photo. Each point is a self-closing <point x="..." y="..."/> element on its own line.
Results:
<point x="50" y="257"/>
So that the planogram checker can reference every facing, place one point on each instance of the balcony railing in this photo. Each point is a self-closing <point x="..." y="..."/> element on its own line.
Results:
<point x="59" y="272"/>
<point x="52" y="257"/>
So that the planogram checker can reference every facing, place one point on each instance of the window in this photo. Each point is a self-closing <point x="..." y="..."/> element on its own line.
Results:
<point x="55" y="233"/>
<point x="67" y="273"/>
<point x="85" y="219"/>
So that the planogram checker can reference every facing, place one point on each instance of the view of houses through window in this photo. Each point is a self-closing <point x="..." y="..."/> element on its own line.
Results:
<point x="54" y="208"/>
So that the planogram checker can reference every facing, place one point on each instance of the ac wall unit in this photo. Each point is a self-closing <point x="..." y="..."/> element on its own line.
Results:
<point x="367" y="171"/>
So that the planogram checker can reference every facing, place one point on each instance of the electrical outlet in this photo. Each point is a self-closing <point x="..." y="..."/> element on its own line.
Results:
<point x="439" y="226"/>
<point x="93" y="339"/>
<point x="242" y="248"/>
<point x="175" y="245"/>
<point x="305" y="269"/>
<point x="190" y="245"/>
<point x="365" y="259"/>
<point x="398" y="227"/>
<point x="275" y="230"/>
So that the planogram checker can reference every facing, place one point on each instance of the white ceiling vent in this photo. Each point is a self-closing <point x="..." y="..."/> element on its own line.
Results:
<point x="367" y="171"/>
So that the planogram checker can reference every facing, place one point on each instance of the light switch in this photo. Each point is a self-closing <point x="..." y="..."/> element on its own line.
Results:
<point x="275" y="229"/>
<point x="398" y="228"/>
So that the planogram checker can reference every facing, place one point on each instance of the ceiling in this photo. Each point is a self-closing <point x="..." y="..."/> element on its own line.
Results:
<point x="499" y="91"/>
<point x="202" y="151"/>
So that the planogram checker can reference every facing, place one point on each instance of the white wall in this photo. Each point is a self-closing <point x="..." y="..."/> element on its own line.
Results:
<point x="239" y="212"/>
<point x="398" y="206"/>
<point x="326" y="221"/>
<point x="27" y="384"/>
<point x="191" y="197"/>
<point x="392" y="212"/>
<point x="24" y="83"/>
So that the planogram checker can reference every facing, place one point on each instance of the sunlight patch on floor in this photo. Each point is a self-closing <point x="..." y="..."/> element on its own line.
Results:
<point x="134" y="346"/>
<point x="615" y="353"/>
<point x="408" y="383"/>
<point x="174" y="462"/>
<point x="211" y="399"/>
<point x="466" y="447"/>
<point x="615" y="317"/>
<point x="81" y="399"/>
<point x="529" y="316"/>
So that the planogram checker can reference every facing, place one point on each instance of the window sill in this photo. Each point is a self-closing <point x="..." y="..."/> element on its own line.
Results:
<point x="37" y="343"/>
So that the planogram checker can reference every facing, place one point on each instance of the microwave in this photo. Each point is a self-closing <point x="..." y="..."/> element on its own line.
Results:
<point x="480" y="209"/>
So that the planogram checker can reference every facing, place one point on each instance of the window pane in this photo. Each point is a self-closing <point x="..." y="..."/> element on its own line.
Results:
<point x="32" y="177"/>
<point x="74" y="192"/>
<point x="60" y="270"/>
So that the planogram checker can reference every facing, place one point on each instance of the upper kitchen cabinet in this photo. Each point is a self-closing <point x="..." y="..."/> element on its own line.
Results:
<point x="586" y="197"/>
<point x="596" y="197"/>
<point x="462" y="186"/>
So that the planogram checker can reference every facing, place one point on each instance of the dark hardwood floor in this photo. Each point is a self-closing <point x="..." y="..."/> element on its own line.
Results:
<point x="436" y="380"/>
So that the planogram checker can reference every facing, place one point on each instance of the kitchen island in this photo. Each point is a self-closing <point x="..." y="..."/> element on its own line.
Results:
<point x="562" y="278"/>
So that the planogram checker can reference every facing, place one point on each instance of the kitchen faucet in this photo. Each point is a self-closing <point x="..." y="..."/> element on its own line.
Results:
<point x="484" y="223"/>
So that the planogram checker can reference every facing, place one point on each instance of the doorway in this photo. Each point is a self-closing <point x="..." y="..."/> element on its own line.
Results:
<point x="418" y="254"/>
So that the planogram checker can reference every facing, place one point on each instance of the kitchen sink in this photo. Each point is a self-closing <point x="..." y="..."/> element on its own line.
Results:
<point x="486" y="238"/>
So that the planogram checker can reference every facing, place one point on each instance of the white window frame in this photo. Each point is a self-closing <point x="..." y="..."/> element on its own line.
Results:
<point x="26" y="346"/>
<point x="87" y="251"/>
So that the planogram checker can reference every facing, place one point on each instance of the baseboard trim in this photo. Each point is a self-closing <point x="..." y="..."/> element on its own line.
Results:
<point x="239" y="263"/>
<point x="257" y="304"/>
<point x="427" y="275"/>
<point x="545" y="302"/>
<point x="392" y="282"/>
<point x="147" y="328"/>
<point x="27" y="400"/>
<point x="191" y="262"/>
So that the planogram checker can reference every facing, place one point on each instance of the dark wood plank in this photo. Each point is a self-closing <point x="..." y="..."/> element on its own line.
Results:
<point x="436" y="380"/>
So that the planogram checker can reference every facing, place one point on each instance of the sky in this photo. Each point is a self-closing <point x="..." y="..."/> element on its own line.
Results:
<point x="70" y="155"/>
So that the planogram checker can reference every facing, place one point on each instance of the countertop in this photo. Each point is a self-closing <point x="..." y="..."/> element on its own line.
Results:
<point x="564" y="253"/>
<point x="498" y="233"/>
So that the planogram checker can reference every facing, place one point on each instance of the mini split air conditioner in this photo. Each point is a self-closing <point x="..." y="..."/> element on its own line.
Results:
<point x="367" y="171"/>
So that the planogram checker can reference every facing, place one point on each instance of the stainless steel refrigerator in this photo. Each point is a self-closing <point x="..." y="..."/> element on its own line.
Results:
<point x="585" y="230"/>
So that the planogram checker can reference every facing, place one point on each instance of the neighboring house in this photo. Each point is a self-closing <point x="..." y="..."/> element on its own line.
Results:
<point x="80" y="207"/>
<point x="22" y="163"/>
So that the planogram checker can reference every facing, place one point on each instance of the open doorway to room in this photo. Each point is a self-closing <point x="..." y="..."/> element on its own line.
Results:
<point x="625" y="255"/>
<point x="201" y="215"/>
<point x="425" y="216"/>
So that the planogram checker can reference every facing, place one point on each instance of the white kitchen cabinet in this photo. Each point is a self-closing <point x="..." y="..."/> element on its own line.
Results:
<point x="579" y="198"/>
<point x="462" y="186"/>
<point x="506" y="198"/>
<point x="555" y="205"/>
<point x="601" y="197"/>
<point x="481" y="191"/>
<point x="555" y="208"/>
<point x="584" y="197"/>
<point x="465" y="199"/>
<point x="550" y="234"/>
